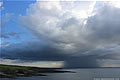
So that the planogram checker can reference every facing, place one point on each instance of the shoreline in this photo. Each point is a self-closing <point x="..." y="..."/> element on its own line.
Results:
<point x="13" y="71"/>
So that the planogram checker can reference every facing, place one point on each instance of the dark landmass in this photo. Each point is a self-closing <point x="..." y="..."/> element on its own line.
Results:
<point x="12" y="71"/>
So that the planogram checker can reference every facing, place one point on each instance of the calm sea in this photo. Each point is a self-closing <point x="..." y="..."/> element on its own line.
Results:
<point x="81" y="74"/>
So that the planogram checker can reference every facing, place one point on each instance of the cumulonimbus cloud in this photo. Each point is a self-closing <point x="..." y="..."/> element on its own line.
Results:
<point x="74" y="34"/>
<point x="57" y="23"/>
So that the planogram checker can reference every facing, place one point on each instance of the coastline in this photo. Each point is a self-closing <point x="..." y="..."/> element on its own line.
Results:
<point x="13" y="71"/>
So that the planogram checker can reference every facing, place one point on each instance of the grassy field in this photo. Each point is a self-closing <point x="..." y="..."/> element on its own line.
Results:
<point x="12" y="68"/>
<point x="11" y="71"/>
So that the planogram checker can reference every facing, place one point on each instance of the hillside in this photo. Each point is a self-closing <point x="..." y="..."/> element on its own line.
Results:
<point x="12" y="71"/>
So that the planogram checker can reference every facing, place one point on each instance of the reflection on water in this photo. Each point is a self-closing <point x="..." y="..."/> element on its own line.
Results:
<point x="81" y="74"/>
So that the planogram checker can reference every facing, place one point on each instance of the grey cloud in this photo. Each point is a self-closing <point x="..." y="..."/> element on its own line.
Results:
<point x="70" y="34"/>
<point x="106" y="52"/>
<point x="4" y="44"/>
<point x="4" y="35"/>
<point x="71" y="30"/>
<point x="68" y="38"/>
<point x="14" y="34"/>
<point x="8" y="35"/>
<point x="42" y="52"/>
<point x="105" y="25"/>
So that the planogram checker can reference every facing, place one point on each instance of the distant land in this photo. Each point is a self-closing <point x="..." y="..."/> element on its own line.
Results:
<point x="12" y="71"/>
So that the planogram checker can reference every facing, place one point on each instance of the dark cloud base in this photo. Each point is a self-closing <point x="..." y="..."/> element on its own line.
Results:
<point x="47" y="53"/>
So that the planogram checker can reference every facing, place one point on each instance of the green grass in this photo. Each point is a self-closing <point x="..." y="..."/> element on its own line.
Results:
<point x="12" y="68"/>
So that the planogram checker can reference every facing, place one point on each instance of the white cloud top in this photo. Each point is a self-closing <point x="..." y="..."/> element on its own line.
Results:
<point x="73" y="24"/>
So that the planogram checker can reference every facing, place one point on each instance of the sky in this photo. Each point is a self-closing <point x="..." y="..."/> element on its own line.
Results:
<point x="69" y="34"/>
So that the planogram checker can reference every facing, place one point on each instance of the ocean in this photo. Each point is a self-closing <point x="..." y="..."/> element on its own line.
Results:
<point x="80" y="74"/>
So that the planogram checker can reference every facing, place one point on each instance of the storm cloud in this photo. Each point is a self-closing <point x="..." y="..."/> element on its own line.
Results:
<point x="36" y="51"/>
<point x="81" y="38"/>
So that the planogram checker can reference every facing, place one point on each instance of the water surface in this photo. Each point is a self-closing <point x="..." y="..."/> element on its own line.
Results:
<point x="81" y="74"/>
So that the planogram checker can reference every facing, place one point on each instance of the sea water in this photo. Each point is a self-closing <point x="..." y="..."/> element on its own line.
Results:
<point x="80" y="74"/>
